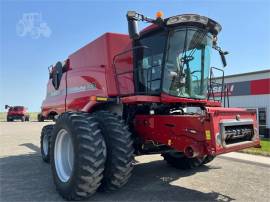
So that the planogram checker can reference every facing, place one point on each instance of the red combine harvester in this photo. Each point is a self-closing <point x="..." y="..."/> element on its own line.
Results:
<point x="17" y="113"/>
<point x="150" y="92"/>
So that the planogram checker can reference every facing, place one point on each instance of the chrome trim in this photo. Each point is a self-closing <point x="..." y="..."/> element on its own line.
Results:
<point x="233" y="122"/>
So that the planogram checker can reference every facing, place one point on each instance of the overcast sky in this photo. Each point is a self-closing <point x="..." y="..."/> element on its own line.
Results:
<point x="64" y="27"/>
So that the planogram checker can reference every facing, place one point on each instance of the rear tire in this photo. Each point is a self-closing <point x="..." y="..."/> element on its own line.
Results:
<point x="40" y="118"/>
<point x="45" y="140"/>
<point x="119" y="162"/>
<point x="178" y="160"/>
<point x="78" y="177"/>
<point x="27" y="118"/>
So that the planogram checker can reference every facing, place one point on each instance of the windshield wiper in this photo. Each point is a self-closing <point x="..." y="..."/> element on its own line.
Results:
<point x="186" y="59"/>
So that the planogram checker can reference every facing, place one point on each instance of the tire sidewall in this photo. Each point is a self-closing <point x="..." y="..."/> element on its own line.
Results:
<point x="45" y="132"/>
<point x="23" y="119"/>
<point x="64" y="187"/>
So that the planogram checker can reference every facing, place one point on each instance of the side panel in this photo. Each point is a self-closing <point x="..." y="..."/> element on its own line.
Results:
<point x="218" y="116"/>
<point x="90" y="73"/>
<point x="176" y="131"/>
<point x="221" y="130"/>
<point x="82" y="84"/>
<point x="55" y="99"/>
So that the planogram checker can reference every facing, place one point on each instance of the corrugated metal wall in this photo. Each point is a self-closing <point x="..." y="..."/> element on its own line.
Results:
<point x="251" y="101"/>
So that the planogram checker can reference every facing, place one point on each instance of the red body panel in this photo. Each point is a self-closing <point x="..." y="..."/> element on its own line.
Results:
<point x="91" y="72"/>
<point x="104" y="68"/>
<point x="183" y="131"/>
<point x="55" y="99"/>
<point x="219" y="114"/>
<point x="17" y="111"/>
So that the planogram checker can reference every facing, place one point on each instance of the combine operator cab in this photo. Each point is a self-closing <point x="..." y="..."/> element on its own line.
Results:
<point x="175" y="99"/>
<point x="172" y="56"/>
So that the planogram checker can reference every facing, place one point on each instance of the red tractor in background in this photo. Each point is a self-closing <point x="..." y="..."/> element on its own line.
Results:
<point x="143" y="93"/>
<point x="17" y="113"/>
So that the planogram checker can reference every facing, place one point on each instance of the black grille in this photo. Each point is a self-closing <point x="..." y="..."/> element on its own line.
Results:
<point x="238" y="133"/>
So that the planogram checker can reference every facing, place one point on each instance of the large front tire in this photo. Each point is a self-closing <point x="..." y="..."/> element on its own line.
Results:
<point x="120" y="151"/>
<point x="208" y="159"/>
<point x="78" y="154"/>
<point x="45" y="140"/>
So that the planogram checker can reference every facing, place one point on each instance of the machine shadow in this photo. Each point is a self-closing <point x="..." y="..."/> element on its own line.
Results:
<point x="153" y="181"/>
<point x="28" y="178"/>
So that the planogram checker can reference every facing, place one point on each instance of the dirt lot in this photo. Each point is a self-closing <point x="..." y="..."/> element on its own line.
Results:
<point x="24" y="177"/>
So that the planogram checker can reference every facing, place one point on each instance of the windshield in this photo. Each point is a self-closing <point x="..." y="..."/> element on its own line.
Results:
<point x="187" y="63"/>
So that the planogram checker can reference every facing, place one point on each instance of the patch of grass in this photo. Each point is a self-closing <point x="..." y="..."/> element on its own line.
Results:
<point x="3" y="116"/>
<point x="33" y="116"/>
<point x="264" y="150"/>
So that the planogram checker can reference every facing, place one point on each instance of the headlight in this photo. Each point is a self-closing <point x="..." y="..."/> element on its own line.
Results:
<point x="187" y="18"/>
<point x="213" y="26"/>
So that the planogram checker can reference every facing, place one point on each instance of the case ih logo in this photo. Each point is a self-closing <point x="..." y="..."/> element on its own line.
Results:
<point x="218" y="89"/>
<point x="254" y="87"/>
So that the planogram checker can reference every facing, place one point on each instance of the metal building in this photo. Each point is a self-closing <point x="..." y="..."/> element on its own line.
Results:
<point x="252" y="90"/>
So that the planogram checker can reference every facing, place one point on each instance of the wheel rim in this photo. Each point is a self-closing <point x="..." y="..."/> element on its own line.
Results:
<point x="45" y="144"/>
<point x="63" y="155"/>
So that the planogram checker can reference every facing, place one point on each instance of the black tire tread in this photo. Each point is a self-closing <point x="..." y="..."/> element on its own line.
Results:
<point x="120" y="151"/>
<point x="208" y="159"/>
<point x="90" y="156"/>
<point x="182" y="162"/>
<point x="46" y="130"/>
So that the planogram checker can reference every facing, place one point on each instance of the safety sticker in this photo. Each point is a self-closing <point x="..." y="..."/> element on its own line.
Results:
<point x="207" y="135"/>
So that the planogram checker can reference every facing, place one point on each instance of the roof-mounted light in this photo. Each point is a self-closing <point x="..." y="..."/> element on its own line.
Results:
<point x="187" y="18"/>
<point x="159" y="14"/>
<point x="213" y="26"/>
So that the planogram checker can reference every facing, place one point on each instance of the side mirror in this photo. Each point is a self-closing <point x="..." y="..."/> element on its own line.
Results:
<point x="133" y="29"/>
<point x="57" y="74"/>
<point x="66" y="66"/>
<point x="223" y="59"/>
<point x="6" y="106"/>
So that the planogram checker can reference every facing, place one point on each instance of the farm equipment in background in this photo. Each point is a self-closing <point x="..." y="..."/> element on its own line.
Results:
<point x="142" y="93"/>
<point x="17" y="113"/>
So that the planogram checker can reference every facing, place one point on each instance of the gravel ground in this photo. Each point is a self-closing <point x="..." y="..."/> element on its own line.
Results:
<point x="24" y="177"/>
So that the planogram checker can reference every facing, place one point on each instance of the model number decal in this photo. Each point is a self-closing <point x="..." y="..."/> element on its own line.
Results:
<point x="91" y="86"/>
<point x="76" y="89"/>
